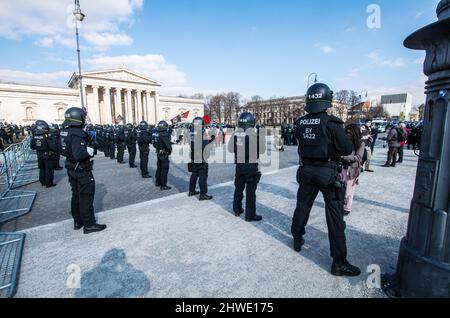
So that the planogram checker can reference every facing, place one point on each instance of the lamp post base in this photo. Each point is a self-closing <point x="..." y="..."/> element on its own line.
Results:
<point x="417" y="276"/>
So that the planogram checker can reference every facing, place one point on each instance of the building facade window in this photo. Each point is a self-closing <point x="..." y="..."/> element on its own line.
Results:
<point x="29" y="113"/>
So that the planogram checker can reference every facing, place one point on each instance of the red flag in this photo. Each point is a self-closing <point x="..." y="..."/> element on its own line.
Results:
<point x="206" y="119"/>
<point x="185" y="115"/>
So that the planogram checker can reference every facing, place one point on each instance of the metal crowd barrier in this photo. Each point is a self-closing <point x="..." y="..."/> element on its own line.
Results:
<point x="18" y="167"/>
<point x="11" y="249"/>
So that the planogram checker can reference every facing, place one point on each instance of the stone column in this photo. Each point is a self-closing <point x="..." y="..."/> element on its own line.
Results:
<point x="156" y="101"/>
<point x="129" y="105"/>
<point x="423" y="268"/>
<point x="95" y="107"/>
<point x="118" y="102"/>
<point x="138" y="106"/>
<point x="108" y="113"/>
<point x="146" y="106"/>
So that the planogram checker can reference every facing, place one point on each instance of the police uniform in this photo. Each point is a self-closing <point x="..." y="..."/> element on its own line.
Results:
<point x="106" y="141"/>
<point x="112" y="143"/>
<point x="163" y="148"/>
<point x="120" y="142"/>
<point x="75" y="147"/>
<point x="144" y="139"/>
<point x="130" y="140"/>
<point x="199" y="165"/>
<point x="45" y="148"/>
<point x="54" y="137"/>
<point x="322" y="142"/>
<point x="246" y="145"/>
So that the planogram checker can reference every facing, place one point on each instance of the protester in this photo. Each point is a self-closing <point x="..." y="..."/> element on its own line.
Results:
<point x="402" y="138"/>
<point x="352" y="165"/>
<point x="393" y="147"/>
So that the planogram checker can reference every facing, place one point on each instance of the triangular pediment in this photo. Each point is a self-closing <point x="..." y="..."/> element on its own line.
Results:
<point x="120" y="75"/>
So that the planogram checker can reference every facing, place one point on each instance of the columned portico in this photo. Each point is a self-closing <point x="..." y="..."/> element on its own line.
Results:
<point x="132" y="96"/>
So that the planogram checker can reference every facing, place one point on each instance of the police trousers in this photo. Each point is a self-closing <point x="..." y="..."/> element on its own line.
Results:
<point x="120" y="152"/>
<point x="247" y="178"/>
<point x="312" y="180"/>
<point x="106" y="149"/>
<point x="200" y="173"/>
<point x="83" y="191"/>
<point x="144" y="151"/>
<point x="162" y="170"/>
<point x="46" y="165"/>
<point x="131" y="154"/>
<point x="112" y="150"/>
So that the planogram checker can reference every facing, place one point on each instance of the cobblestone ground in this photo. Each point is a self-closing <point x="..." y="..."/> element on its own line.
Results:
<point x="177" y="247"/>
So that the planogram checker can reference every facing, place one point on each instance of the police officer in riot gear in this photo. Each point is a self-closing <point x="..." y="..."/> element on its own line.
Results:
<point x="247" y="145"/>
<point x="144" y="138"/>
<point x="322" y="142"/>
<point x="106" y="141"/>
<point x="76" y="148"/>
<point x="130" y="141"/>
<point x="199" y="165"/>
<point x="163" y="147"/>
<point x="112" y="143"/>
<point x="54" y="137"/>
<point x="120" y="142"/>
<point x="46" y="149"/>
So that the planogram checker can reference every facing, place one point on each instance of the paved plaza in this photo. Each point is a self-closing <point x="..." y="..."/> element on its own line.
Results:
<point x="175" y="246"/>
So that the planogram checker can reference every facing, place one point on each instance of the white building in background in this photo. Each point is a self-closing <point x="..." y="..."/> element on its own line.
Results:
<point x="108" y="95"/>
<point x="397" y="105"/>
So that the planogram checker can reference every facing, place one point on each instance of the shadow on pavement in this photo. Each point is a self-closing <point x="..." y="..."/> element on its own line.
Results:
<point x="278" y="225"/>
<point x="114" y="278"/>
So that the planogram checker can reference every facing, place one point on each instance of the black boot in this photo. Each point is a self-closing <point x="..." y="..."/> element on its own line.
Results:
<point x="205" y="197"/>
<point x="165" y="188"/>
<point x="146" y="176"/>
<point x="256" y="218"/>
<point x="94" y="228"/>
<point x="344" y="268"/>
<point x="77" y="226"/>
<point x="191" y="194"/>
<point x="239" y="212"/>
<point x="298" y="244"/>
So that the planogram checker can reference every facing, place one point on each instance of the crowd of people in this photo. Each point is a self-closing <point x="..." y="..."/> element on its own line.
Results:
<point x="332" y="157"/>
<point x="10" y="134"/>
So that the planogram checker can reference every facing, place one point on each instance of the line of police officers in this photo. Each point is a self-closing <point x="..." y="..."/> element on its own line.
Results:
<point x="322" y="144"/>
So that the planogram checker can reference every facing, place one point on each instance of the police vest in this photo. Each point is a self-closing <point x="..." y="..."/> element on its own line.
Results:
<point x="65" y="144"/>
<point x="311" y="132"/>
<point x="40" y="143"/>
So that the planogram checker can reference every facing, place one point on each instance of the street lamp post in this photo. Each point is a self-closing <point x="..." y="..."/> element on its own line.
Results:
<point x="423" y="268"/>
<point x="79" y="17"/>
<point x="361" y="103"/>
<point x="309" y="77"/>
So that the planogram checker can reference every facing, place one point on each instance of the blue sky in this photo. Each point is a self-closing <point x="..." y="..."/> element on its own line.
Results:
<point x="253" y="47"/>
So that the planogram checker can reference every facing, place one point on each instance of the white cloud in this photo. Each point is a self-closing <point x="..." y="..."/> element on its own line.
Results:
<point x="151" y="65"/>
<point x="53" y="20"/>
<point x="21" y="77"/>
<point x="378" y="60"/>
<point x="419" y="14"/>
<point x="103" y="40"/>
<point x="327" y="49"/>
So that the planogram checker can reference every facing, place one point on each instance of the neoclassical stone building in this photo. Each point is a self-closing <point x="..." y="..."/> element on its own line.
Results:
<point x="109" y="95"/>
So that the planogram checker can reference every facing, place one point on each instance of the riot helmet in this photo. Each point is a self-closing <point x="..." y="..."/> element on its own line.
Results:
<point x="143" y="125"/>
<point x="42" y="126"/>
<point x="75" y="117"/>
<point x="246" y="121"/>
<point x="163" y="126"/>
<point x="318" y="98"/>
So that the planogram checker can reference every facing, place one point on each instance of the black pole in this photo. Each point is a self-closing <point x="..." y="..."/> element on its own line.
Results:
<point x="423" y="268"/>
